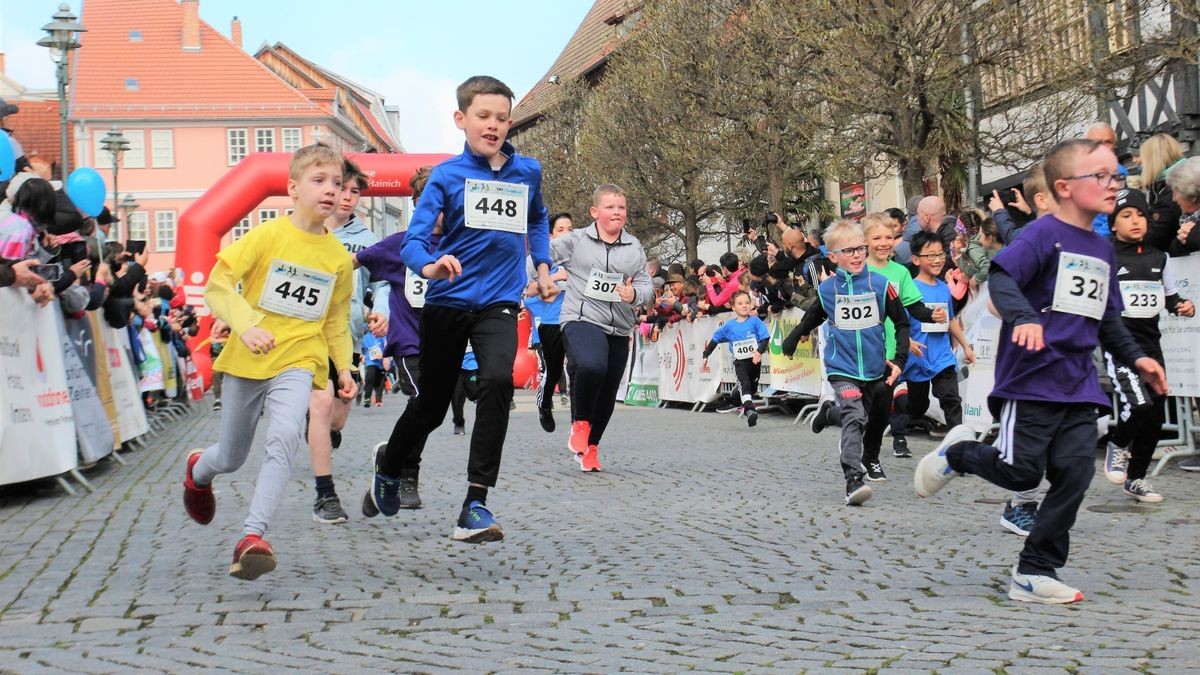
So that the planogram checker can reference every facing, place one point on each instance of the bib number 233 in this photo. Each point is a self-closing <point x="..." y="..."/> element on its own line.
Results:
<point x="295" y="291"/>
<point x="494" y="205"/>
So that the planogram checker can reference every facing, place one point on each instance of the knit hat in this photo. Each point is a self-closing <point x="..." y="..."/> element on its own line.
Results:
<point x="1132" y="199"/>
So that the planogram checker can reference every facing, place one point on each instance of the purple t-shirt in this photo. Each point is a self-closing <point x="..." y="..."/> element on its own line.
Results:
<point x="1063" y="371"/>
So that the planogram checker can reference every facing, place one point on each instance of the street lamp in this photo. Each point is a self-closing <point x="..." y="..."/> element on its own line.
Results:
<point x="127" y="206"/>
<point x="116" y="145"/>
<point x="63" y="32"/>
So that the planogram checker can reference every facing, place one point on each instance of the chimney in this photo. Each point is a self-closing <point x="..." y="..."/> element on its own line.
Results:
<point x="191" y="25"/>
<point x="235" y="32"/>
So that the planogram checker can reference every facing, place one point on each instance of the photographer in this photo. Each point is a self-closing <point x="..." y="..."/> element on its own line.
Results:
<point x="129" y="276"/>
<point x="720" y="286"/>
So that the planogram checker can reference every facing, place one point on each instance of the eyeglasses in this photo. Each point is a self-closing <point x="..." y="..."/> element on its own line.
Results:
<point x="933" y="256"/>
<point x="853" y="250"/>
<point x="1103" y="178"/>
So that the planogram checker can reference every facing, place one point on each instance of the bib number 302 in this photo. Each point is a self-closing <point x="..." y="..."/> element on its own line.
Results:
<point x="856" y="312"/>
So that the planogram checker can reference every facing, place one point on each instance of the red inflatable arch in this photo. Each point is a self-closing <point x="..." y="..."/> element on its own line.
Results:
<point x="262" y="175"/>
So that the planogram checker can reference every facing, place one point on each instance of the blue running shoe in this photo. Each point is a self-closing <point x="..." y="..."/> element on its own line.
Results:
<point x="384" y="495"/>
<point x="476" y="525"/>
<point x="1019" y="518"/>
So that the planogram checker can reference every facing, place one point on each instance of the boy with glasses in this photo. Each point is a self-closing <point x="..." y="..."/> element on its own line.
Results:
<point x="855" y="301"/>
<point x="1055" y="287"/>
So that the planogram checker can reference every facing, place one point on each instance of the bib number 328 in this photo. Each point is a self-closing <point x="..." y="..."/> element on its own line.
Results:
<point x="1082" y="285"/>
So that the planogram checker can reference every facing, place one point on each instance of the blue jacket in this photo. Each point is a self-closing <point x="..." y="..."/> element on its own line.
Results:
<point x="493" y="262"/>
<point x="355" y="237"/>
<point x="856" y="354"/>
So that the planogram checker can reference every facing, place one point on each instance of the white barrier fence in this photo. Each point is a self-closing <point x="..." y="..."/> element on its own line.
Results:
<point x="68" y="394"/>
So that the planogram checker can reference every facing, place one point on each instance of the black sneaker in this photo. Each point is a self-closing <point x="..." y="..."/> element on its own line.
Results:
<point x="751" y="418"/>
<point x="335" y="439"/>
<point x="900" y="447"/>
<point x="217" y="405"/>
<point x="820" y="419"/>
<point x="329" y="510"/>
<point x="460" y="430"/>
<point x="546" y="417"/>
<point x="856" y="493"/>
<point x="409" y="497"/>
<point x="729" y="408"/>
<point x="874" y="472"/>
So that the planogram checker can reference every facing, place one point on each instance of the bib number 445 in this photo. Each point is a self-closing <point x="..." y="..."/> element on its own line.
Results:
<point x="299" y="292"/>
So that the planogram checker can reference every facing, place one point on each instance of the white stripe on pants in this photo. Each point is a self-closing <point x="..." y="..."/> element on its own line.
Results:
<point x="286" y="401"/>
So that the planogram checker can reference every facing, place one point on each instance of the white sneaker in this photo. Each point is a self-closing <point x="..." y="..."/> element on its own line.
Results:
<point x="1041" y="589"/>
<point x="933" y="471"/>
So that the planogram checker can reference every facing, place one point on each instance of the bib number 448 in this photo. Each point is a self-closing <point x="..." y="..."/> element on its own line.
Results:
<point x="499" y="207"/>
<point x="299" y="292"/>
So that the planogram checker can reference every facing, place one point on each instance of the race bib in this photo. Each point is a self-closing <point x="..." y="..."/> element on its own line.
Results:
<point x="856" y="312"/>
<point x="603" y="286"/>
<point x="1082" y="285"/>
<point x="1143" y="299"/>
<point x="295" y="291"/>
<point x="375" y="353"/>
<point x="414" y="289"/>
<point x="937" y="327"/>
<point x="744" y="349"/>
<point x="493" y="205"/>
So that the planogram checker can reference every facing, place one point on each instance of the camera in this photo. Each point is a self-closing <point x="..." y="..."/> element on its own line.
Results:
<point x="51" y="272"/>
<point x="770" y="218"/>
<point x="745" y="226"/>
<point x="135" y="246"/>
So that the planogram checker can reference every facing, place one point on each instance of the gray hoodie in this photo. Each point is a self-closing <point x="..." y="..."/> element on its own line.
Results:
<point x="355" y="236"/>
<point x="582" y="251"/>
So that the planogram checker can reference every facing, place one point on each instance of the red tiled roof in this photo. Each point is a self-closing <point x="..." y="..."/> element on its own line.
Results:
<point x="36" y="126"/>
<point x="592" y="42"/>
<point x="220" y="80"/>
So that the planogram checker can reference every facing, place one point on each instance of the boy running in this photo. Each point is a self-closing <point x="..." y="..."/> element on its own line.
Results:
<point x="1051" y="288"/>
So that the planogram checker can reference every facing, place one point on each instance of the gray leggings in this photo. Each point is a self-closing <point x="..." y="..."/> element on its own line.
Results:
<point x="286" y="397"/>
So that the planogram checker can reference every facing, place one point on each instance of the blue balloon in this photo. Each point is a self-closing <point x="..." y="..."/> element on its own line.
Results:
<point x="86" y="188"/>
<point x="8" y="163"/>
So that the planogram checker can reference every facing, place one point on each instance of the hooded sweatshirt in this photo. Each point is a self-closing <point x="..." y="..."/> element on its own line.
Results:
<point x="355" y="237"/>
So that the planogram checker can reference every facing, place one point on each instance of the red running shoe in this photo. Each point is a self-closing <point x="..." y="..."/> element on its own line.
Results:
<point x="578" y="443"/>
<point x="197" y="501"/>
<point x="252" y="558"/>
<point x="590" y="460"/>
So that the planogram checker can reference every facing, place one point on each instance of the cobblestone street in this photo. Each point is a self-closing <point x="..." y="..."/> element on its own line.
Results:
<point x="703" y="545"/>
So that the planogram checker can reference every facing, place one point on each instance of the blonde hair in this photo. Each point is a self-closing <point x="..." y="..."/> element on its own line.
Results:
<point x="606" y="189"/>
<point x="839" y="232"/>
<point x="874" y="221"/>
<point x="312" y="155"/>
<point x="1159" y="152"/>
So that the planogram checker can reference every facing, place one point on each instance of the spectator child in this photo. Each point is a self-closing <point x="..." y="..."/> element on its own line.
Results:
<point x="747" y="336"/>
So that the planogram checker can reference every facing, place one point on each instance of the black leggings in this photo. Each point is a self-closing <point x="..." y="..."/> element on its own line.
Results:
<point x="374" y="384"/>
<point x="595" y="364"/>
<point x="550" y="363"/>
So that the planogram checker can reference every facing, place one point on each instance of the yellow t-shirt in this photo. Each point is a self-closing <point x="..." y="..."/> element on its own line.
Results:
<point x="295" y="285"/>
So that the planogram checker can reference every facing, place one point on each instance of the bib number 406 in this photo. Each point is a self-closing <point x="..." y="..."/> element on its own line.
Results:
<point x="500" y="207"/>
<point x="300" y="293"/>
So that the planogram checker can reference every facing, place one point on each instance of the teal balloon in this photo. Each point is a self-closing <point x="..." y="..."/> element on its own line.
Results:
<point x="8" y="163"/>
<point x="86" y="188"/>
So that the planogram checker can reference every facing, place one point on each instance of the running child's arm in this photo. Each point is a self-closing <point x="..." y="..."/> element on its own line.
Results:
<point x="762" y="335"/>
<point x="812" y="318"/>
<point x="898" y="315"/>
<point x="921" y="312"/>
<point x="958" y="336"/>
<point x="418" y="239"/>
<point x="538" y="231"/>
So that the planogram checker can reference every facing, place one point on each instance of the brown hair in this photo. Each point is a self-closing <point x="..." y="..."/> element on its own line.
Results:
<point x="480" y="85"/>
<point x="351" y="172"/>
<point x="312" y="155"/>
<point x="606" y="189"/>
<point x="418" y="181"/>
<point x="1059" y="163"/>
<point x="1035" y="182"/>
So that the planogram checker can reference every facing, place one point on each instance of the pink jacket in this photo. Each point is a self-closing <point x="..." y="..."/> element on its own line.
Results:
<point x="728" y="288"/>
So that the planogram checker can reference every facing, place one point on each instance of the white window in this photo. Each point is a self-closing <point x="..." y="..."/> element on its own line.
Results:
<point x="237" y="145"/>
<point x="133" y="158"/>
<point x="241" y="228"/>
<point x="162" y="148"/>
<point x="292" y="139"/>
<point x="267" y="214"/>
<point x="164" y="231"/>
<point x="264" y="140"/>
<point x="138" y="226"/>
